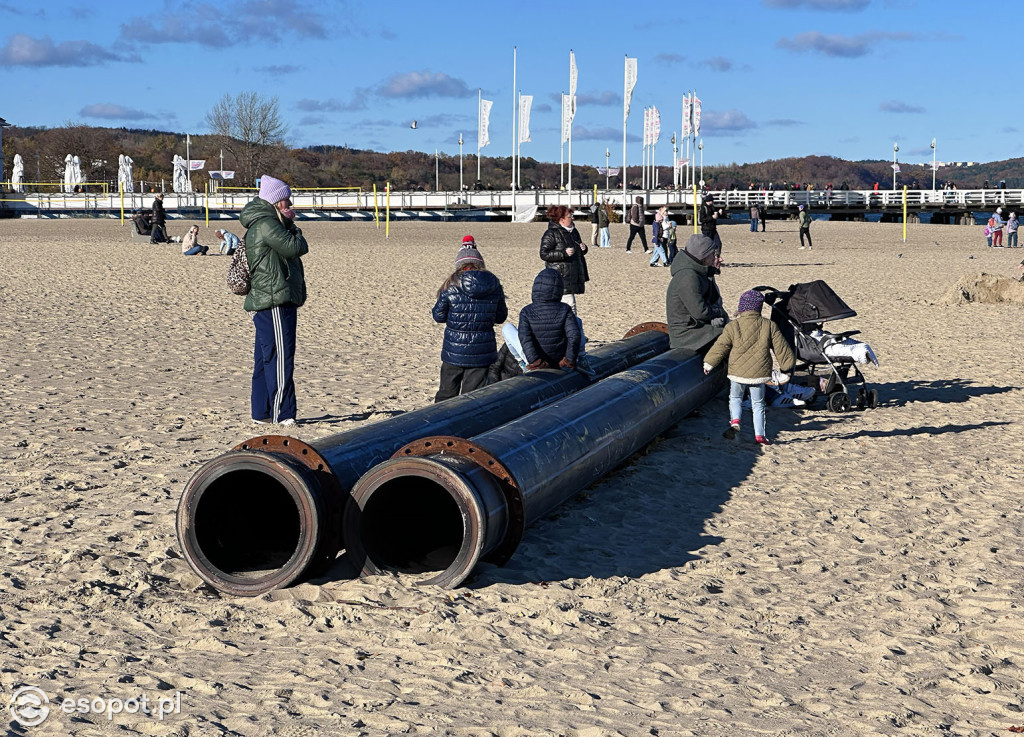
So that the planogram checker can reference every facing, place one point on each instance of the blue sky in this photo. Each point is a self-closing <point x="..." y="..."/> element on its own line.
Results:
<point x="777" y="78"/>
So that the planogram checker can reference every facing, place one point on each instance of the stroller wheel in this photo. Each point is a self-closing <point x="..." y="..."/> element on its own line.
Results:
<point x="873" y="398"/>
<point x="839" y="402"/>
<point x="862" y="399"/>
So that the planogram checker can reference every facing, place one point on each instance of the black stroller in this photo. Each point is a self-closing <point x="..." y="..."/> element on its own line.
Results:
<point x="801" y="313"/>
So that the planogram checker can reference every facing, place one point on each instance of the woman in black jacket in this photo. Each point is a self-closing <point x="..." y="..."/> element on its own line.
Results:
<point x="562" y="248"/>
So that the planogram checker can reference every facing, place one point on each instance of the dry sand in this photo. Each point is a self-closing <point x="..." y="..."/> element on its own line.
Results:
<point x="863" y="576"/>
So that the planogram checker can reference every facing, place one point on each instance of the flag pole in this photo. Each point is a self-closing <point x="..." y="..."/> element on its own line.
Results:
<point x="515" y="132"/>
<point x="561" y="149"/>
<point x="572" y="95"/>
<point x="624" y="108"/>
<point x="479" y="126"/>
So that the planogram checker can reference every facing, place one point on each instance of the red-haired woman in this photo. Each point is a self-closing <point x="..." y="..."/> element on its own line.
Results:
<point x="562" y="248"/>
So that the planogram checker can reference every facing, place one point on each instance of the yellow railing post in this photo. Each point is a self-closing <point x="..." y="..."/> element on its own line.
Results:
<point x="904" y="213"/>
<point x="376" y="210"/>
<point x="695" y="208"/>
<point x="387" y="210"/>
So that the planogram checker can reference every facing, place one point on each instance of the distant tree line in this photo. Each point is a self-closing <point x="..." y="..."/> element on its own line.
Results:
<point x="248" y="131"/>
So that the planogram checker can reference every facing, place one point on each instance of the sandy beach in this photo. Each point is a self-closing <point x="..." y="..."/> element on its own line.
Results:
<point x="863" y="576"/>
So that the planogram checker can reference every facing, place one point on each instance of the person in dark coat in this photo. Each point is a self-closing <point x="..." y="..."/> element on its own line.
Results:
<point x="562" y="249"/>
<point x="709" y="215"/>
<point x="469" y="303"/>
<point x="637" y="219"/>
<point x="158" y="234"/>
<point x="762" y="216"/>
<point x="693" y="304"/>
<point x="549" y="332"/>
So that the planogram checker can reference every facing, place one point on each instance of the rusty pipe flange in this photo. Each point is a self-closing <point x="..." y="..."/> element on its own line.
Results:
<point x="452" y="445"/>
<point x="646" y="327"/>
<point x="309" y="457"/>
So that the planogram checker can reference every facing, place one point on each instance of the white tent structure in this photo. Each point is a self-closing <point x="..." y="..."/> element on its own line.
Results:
<point x="69" y="174"/>
<point x="18" y="174"/>
<point x="181" y="182"/>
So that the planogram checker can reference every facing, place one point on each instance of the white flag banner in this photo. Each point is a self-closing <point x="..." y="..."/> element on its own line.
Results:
<point x="566" y="117"/>
<point x="197" y="164"/>
<point x="895" y="168"/>
<point x="696" y="115"/>
<point x="644" y="137"/>
<point x="655" y="125"/>
<point x="484" y="125"/>
<point x="687" y="116"/>
<point x="525" y="103"/>
<point x="630" y="84"/>
<point x="572" y="86"/>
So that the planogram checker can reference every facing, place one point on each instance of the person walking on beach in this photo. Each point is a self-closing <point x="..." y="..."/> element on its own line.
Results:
<point x="159" y="232"/>
<point x="602" y="222"/>
<point x="658" y="238"/>
<point x="470" y="303"/>
<point x="1011" y="230"/>
<point x="762" y="216"/>
<point x="709" y="215"/>
<point x="997" y="223"/>
<point x="671" y="251"/>
<point x="593" y="224"/>
<point x="755" y="212"/>
<point x="562" y="248"/>
<point x="749" y="341"/>
<point x="274" y="248"/>
<point x="804" y="220"/>
<point x="636" y="220"/>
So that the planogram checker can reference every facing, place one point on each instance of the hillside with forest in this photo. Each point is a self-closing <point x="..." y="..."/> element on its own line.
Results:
<point x="43" y="151"/>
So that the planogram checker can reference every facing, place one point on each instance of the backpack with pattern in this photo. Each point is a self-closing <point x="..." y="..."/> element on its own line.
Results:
<point x="239" y="279"/>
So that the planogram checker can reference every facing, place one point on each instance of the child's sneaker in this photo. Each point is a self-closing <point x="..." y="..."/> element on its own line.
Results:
<point x="762" y="440"/>
<point x="732" y="432"/>
<point x="779" y="377"/>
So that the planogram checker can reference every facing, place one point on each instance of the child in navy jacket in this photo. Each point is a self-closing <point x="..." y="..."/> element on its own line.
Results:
<point x="548" y="330"/>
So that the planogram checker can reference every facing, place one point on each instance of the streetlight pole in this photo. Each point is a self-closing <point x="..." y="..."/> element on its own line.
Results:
<point x="437" y="172"/>
<point x="895" y="150"/>
<point x="607" y="174"/>
<point x="460" y="163"/>
<point x="933" y="165"/>
<point x="675" y="169"/>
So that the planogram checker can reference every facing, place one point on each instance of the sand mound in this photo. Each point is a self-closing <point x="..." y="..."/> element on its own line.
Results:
<point x="986" y="289"/>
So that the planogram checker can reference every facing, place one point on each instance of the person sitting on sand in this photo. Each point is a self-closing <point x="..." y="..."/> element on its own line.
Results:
<point x="190" y="243"/>
<point x="228" y="242"/>
<point x="549" y="332"/>
<point x="693" y="304"/>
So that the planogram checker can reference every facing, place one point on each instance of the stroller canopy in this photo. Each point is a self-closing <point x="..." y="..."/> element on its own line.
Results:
<point x="815" y="302"/>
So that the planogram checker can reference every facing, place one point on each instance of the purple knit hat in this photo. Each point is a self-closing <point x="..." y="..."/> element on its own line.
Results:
<point x="273" y="190"/>
<point x="468" y="255"/>
<point x="751" y="301"/>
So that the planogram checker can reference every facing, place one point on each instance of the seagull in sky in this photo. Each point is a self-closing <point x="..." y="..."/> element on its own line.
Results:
<point x="414" y="124"/>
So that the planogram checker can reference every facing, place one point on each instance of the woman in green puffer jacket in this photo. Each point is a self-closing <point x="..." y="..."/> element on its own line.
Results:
<point x="273" y="249"/>
<point x="748" y="342"/>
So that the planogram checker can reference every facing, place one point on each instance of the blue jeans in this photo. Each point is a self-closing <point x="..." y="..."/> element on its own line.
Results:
<point x="736" y="391"/>
<point x="659" y="253"/>
<point x="606" y="240"/>
<point x="196" y="250"/>
<point x="1011" y="239"/>
<point x="753" y="225"/>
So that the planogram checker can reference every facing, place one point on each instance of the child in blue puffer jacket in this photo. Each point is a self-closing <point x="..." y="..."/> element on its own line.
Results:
<point x="549" y="332"/>
<point x="469" y="303"/>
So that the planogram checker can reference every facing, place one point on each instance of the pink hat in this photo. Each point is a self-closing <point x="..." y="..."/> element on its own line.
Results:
<point x="273" y="190"/>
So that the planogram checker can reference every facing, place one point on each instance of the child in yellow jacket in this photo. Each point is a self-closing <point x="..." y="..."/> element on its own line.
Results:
<point x="749" y="341"/>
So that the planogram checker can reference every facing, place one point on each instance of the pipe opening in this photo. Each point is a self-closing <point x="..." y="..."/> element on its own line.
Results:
<point x="412" y="524"/>
<point x="247" y="524"/>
